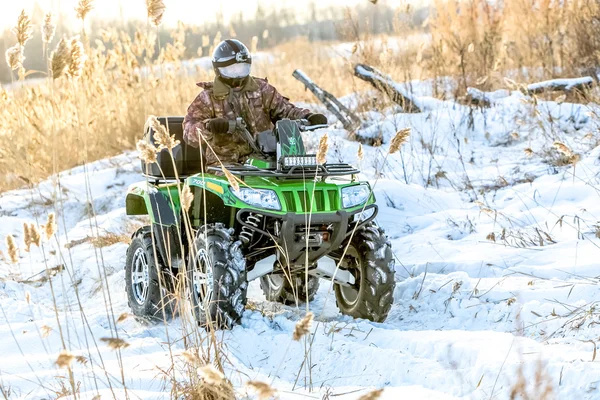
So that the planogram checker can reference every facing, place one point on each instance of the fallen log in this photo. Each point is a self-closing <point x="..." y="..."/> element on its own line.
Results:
<point x="565" y="85"/>
<point x="387" y="85"/>
<point x="572" y="85"/>
<point x="349" y="120"/>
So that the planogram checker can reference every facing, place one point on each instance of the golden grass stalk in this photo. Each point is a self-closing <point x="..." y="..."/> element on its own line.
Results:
<point x="48" y="29"/>
<point x="186" y="198"/>
<point x="211" y="375"/>
<point x="122" y="317"/>
<point x="360" y="154"/>
<point x="156" y="10"/>
<point x="35" y="236"/>
<point x="374" y="395"/>
<point x="50" y="227"/>
<point x="13" y="250"/>
<point x="83" y="8"/>
<point x="115" y="343"/>
<point x="46" y="331"/>
<point x="323" y="148"/>
<point x="563" y="148"/>
<point x="77" y="58"/>
<point x="263" y="390"/>
<point x="161" y="135"/>
<point x="26" y="236"/>
<point x="24" y="30"/>
<point x="14" y="57"/>
<point x="147" y="151"/>
<point x="191" y="357"/>
<point x="65" y="359"/>
<point x="28" y="297"/>
<point x="303" y="326"/>
<point x="398" y="140"/>
<point x="60" y="58"/>
<point x="81" y="360"/>
<point x="231" y="178"/>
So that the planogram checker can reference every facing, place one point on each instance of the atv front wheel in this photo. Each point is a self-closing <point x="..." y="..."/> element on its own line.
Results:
<point x="146" y="293"/>
<point x="277" y="287"/>
<point x="217" y="277"/>
<point x="369" y="259"/>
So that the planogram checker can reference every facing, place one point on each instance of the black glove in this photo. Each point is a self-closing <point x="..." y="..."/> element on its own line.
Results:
<point x="317" y="119"/>
<point x="218" y="125"/>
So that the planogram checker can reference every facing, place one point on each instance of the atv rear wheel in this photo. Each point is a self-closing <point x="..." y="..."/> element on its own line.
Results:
<point x="217" y="277"/>
<point x="369" y="260"/>
<point x="277" y="287"/>
<point x="146" y="290"/>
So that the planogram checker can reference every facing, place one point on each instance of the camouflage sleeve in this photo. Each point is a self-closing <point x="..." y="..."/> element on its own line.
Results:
<point x="197" y="114"/>
<point x="280" y="107"/>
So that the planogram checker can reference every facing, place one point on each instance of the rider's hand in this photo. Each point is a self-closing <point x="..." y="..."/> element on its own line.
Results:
<point x="317" y="119"/>
<point x="218" y="125"/>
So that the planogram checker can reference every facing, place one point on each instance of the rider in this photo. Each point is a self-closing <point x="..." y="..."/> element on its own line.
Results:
<point x="234" y="93"/>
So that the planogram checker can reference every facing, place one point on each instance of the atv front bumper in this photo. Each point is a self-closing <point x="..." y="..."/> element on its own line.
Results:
<point x="297" y="230"/>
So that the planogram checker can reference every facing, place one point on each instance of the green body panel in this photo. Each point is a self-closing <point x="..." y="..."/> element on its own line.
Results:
<point x="295" y="195"/>
<point x="261" y="163"/>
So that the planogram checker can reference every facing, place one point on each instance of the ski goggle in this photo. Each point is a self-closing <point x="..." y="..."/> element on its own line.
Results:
<point x="235" y="71"/>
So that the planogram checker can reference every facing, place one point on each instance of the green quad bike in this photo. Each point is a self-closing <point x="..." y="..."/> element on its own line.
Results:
<point x="290" y="223"/>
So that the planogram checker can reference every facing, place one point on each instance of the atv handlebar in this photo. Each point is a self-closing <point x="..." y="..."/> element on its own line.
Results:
<point x="303" y="124"/>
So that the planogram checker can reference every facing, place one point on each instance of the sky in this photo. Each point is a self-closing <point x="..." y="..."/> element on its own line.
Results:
<point x="188" y="11"/>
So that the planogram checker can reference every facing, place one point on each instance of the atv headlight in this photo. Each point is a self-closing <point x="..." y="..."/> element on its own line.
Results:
<point x="263" y="198"/>
<point x="353" y="196"/>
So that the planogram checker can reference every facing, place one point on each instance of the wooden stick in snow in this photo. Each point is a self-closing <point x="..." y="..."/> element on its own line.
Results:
<point x="387" y="85"/>
<point x="348" y="119"/>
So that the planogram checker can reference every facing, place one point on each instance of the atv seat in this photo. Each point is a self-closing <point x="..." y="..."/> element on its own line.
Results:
<point x="187" y="158"/>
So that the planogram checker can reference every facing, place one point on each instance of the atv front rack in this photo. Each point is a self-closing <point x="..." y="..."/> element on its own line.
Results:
<point x="295" y="172"/>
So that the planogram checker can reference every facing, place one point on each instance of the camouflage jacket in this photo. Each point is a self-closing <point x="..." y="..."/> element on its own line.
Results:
<point x="257" y="102"/>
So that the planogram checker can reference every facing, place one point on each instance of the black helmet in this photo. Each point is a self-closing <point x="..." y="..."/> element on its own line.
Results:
<point x="231" y="61"/>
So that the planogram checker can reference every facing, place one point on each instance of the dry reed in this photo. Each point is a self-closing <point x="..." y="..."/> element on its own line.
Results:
<point x="77" y="58"/>
<point x="211" y="375"/>
<point x="263" y="390"/>
<point x="147" y="151"/>
<point x="50" y="227"/>
<point x="374" y="395"/>
<point x="303" y="326"/>
<point x="13" y="250"/>
<point x="322" y="150"/>
<point x="156" y="10"/>
<point x="24" y="30"/>
<point x="186" y="198"/>
<point x="48" y="29"/>
<point x="83" y="8"/>
<point x="60" y="58"/>
<point x="64" y="359"/>
<point x="115" y="343"/>
<point x="14" y="57"/>
<point x="399" y="139"/>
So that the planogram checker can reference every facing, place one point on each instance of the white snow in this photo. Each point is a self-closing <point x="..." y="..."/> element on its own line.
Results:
<point x="470" y="315"/>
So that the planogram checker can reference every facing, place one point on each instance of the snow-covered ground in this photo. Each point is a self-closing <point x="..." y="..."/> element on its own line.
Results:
<point x="497" y="272"/>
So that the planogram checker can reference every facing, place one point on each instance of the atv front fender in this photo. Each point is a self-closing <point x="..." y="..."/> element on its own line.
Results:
<point x="144" y="199"/>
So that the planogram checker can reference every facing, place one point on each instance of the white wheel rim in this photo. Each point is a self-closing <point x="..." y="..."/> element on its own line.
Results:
<point x="140" y="276"/>
<point x="202" y="277"/>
